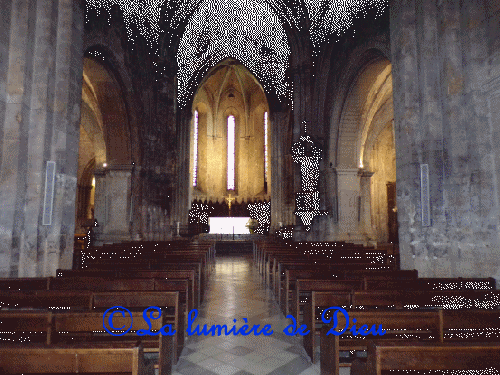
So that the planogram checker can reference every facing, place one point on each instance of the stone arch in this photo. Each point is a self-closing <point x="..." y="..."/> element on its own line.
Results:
<point x="362" y="101"/>
<point x="337" y="88"/>
<point x="105" y="138"/>
<point x="365" y="152"/>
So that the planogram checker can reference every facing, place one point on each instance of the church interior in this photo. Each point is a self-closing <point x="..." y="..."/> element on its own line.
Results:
<point x="243" y="163"/>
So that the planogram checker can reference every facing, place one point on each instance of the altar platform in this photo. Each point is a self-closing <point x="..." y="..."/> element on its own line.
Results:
<point x="228" y="225"/>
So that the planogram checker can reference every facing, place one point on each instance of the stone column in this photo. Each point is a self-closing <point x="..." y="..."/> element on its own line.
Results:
<point x="349" y="190"/>
<point x="366" y="205"/>
<point x="40" y="94"/>
<point x="112" y="204"/>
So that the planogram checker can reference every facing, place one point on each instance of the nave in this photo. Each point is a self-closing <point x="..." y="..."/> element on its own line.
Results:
<point x="236" y="291"/>
<point x="55" y="324"/>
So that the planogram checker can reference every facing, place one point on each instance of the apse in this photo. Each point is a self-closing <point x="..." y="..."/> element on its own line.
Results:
<point x="230" y="132"/>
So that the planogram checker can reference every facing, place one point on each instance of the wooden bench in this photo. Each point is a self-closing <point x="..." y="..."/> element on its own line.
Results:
<point x="54" y="300"/>
<point x="139" y="301"/>
<point x="127" y="269"/>
<point x="126" y="358"/>
<point x="447" y="299"/>
<point x="451" y="325"/>
<point x="387" y="301"/>
<point x="25" y="283"/>
<point x="21" y="327"/>
<point x="471" y="325"/>
<point x="383" y="356"/>
<point x="189" y="275"/>
<point x="309" y="285"/>
<point x="72" y="328"/>
<point x="24" y="326"/>
<point x="305" y="286"/>
<point x="291" y="276"/>
<point x="322" y="268"/>
<point x="334" y="252"/>
<point x="399" y="325"/>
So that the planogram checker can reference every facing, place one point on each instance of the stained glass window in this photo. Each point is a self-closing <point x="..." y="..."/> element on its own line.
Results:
<point x="195" y="149"/>
<point x="230" y="152"/>
<point x="265" y="147"/>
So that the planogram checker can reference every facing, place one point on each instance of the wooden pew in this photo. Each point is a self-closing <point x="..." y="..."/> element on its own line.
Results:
<point x="145" y="298"/>
<point x="424" y="283"/>
<point x="103" y="284"/>
<point x="55" y="300"/>
<point x="340" y="299"/>
<point x="383" y="356"/>
<point x="18" y="320"/>
<point x="145" y="250"/>
<point x="333" y="252"/>
<point x="390" y="300"/>
<point x="399" y="325"/>
<point x="347" y="256"/>
<point x="308" y="285"/>
<point x="291" y="276"/>
<point x="139" y="301"/>
<point x="322" y="268"/>
<point x="72" y="328"/>
<point x="25" y="283"/>
<point x="446" y="299"/>
<point x="451" y="326"/>
<point x="23" y="327"/>
<point x="471" y="325"/>
<point x="124" y="270"/>
<point x="305" y="286"/>
<point x="126" y="358"/>
<point x="189" y="275"/>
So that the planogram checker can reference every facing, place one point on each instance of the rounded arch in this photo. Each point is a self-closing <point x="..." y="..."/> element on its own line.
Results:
<point x="341" y="84"/>
<point x="367" y="90"/>
<point x="365" y="141"/>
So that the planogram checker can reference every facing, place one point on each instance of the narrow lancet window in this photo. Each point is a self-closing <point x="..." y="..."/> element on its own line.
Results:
<point x="195" y="150"/>
<point x="230" y="152"/>
<point x="265" y="148"/>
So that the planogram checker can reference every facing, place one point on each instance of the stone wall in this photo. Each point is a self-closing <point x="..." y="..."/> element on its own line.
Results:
<point x="40" y="94"/>
<point x="445" y="59"/>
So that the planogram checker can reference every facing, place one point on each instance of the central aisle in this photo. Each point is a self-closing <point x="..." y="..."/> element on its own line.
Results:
<point x="235" y="291"/>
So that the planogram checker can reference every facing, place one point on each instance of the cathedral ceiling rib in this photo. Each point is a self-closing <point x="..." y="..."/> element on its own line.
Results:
<point x="246" y="30"/>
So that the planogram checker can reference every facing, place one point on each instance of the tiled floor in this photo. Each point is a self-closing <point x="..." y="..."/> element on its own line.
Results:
<point x="235" y="291"/>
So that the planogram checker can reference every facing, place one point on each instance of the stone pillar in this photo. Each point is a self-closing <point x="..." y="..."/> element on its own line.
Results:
<point x="366" y="205"/>
<point x="112" y="204"/>
<point x="40" y="94"/>
<point x="441" y="55"/>
<point x="349" y="190"/>
<point x="277" y="167"/>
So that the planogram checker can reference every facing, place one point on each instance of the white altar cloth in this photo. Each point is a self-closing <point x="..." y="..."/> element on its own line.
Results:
<point x="226" y="225"/>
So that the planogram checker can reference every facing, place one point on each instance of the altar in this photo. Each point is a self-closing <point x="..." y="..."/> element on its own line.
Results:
<point x="228" y="225"/>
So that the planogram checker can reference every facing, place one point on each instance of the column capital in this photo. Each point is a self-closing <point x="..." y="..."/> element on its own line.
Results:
<point x="346" y="171"/>
<point x="365" y="173"/>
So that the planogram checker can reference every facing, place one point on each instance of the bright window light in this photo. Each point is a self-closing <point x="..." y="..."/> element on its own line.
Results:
<point x="195" y="149"/>
<point x="230" y="152"/>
